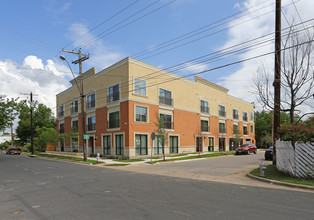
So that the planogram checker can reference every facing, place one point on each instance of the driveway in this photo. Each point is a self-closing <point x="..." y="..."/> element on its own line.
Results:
<point x="227" y="169"/>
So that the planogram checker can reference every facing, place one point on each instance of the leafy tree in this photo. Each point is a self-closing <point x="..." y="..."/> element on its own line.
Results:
<point x="45" y="136"/>
<point x="42" y="118"/>
<point x="162" y="134"/>
<point x="8" y="111"/>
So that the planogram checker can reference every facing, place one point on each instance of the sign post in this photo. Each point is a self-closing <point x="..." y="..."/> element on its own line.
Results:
<point x="153" y="135"/>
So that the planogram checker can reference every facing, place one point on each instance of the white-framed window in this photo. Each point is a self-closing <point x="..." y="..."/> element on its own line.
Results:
<point x="91" y="101"/>
<point x="61" y="128"/>
<point x="141" y="113"/>
<point x="141" y="143"/>
<point x="204" y="125"/>
<point x="74" y="106"/>
<point x="245" y="131"/>
<point x="204" y="107"/>
<point x="114" y="120"/>
<point x="113" y="93"/>
<point x="61" y="111"/>
<point x="251" y="116"/>
<point x="165" y="97"/>
<point x="235" y="114"/>
<point x="173" y="144"/>
<point x="139" y="86"/>
<point x="244" y="116"/>
<point x="91" y="123"/>
<point x="222" y="128"/>
<point x="252" y="129"/>
<point x="222" y="111"/>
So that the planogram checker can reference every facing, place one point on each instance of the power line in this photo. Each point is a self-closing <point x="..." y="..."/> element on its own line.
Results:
<point x="102" y="23"/>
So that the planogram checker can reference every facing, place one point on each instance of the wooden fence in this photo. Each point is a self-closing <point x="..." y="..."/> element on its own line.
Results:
<point x="298" y="162"/>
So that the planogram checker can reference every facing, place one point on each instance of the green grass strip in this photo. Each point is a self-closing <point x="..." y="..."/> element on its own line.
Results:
<point x="131" y="160"/>
<point x="116" y="164"/>
<point x="273" y="174"/>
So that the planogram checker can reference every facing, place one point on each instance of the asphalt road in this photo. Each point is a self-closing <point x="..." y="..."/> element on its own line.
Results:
<point x="34" y="188"/>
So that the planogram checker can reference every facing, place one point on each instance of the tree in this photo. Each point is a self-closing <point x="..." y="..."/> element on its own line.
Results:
<point x="162" y="134"/>
<point x="297" y="79"/>
<point x="44" y="137"/>
<point x="8" y="111"/>
<point x="42" y="118"/>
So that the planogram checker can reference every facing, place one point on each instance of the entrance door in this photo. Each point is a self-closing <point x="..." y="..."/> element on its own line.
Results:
<point x="222" y="144"/>
<point x="107" y="145"/>
<point x="199" y="144"/>
<point x="92" y="143"/>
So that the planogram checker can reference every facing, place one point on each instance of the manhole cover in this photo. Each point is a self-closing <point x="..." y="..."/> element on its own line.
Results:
<point x="17" y="212"/>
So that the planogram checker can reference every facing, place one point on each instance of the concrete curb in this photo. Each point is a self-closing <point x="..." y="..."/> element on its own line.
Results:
<point x="280" y="183"/>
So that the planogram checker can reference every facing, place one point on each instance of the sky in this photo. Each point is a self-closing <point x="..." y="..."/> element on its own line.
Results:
<point x="163" y="33"/>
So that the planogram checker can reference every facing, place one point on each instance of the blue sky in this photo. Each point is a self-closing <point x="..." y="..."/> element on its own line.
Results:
<point x="32" y="34"/>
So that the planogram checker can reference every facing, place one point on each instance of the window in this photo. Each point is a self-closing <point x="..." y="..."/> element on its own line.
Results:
<point x="113" y="93"/>
<point x="114" y="120"/>
<point x="235" y="114"/>
<point x="141" y="114"/>
<point x="222" y="111"/>
<point x="61" y="111"/>
<point x="75" y="125"/>
<point x="244" y="116"/>
<point x="107" y="145"/>
<point x="236" y="129"/>
<point x="139" y="87"/>
<point x="252" y="129"/>
<point x="61" y="130"/>
<point x="166" y="121"/>
<point x="141" y="144"/>
<point x="165" y="97"/>
<point x="91" y="123"/>
<point x="158" y="144"/>
<point x="74" y="107"/>
<point x="204" y="107"/>
<point x="211" y="142"/>
<point x="119" y="144"/>
<point x="91" y="101"/>
<point x="251" y="116"/>
<point x="245" y="132"/>
<point x="222" y="127"/>
<point x="173" y="144"/>
<point x="204" y="126"/>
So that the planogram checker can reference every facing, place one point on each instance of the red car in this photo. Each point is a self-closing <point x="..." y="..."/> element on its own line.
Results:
<point x="246" y="149"/>
<point x="12" y="149"/>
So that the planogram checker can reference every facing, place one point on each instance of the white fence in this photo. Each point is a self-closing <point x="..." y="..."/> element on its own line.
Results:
<point x="298" y="162"/>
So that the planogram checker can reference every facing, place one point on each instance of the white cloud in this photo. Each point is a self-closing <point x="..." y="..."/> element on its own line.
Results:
<point x="34" y="76"/>
<point x="101" y="54"/>
<point x="240" y="83"/>
<point x="194" y="67"/>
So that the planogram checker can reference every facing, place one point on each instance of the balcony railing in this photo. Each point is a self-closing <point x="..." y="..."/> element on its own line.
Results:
<point x="91" y="104"/>
<point x="113" y="123"/>
<point x="61" y="114"/>
<point x="165" y="100"/>
<point x="235" y="116"/>
<point x="61" y="131"/>
<point x="204" y="109"/>
<point x="91" y="127"/>
<point x="244" y="118"/>
<point x="222" y="130"/>
<point x="168" y="125"/>
<point x="204" y="128"/>
<point x="113" y="97"/>
<point x="222" y="113"/>
<point x="74" y="109"/>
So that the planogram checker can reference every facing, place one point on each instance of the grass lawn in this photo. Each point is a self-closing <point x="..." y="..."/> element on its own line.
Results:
<point x="272" y="173"/>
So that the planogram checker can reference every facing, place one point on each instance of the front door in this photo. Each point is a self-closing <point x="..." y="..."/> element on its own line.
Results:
<point x="199" y="144"/>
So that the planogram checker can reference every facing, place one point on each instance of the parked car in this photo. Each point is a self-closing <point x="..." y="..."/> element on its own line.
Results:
<point x="246" y="149"/>
<point x="269" y="154"/>
<point x="12" y="149"/>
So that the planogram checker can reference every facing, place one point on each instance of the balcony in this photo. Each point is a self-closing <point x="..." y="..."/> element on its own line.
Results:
<point x="204" y="128"/>
<point x="235" y="116"/>
<point x="244" y="118"/>
<point x="91" y="104"/>
<point x="113" y="97"/>
<point x="222" y="130"/>
<point x="222" y="113"/>
<point x="91" y="127"/>
<point x="113" y="123"/>
<point x="204" y="109"/>
<point x="168" y="125"/>
<point x="61" y="113"/>
<point x="165" y="100"/>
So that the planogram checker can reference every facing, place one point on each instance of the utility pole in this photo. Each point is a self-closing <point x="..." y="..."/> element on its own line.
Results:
<point x="277" y="82"/>
<point x="81" y="58"/>
<point x="31" y="106"/>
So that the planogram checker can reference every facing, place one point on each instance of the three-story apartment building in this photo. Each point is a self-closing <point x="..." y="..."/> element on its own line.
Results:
<point x="124" y="102"/>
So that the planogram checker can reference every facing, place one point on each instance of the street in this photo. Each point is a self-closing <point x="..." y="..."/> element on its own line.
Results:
<point x="35" y="188"/>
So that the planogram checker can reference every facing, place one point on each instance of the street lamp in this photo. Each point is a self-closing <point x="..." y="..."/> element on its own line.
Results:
<point x="82" y="104"/>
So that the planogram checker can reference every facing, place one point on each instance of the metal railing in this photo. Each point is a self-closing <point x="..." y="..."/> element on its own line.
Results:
<point x="165" y="100"/>
<point x="204" y="109"/>
<point x="222" y="113"/>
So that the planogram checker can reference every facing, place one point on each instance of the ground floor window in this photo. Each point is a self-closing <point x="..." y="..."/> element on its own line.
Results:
<point x="173" y="144"/>
<point x="210" y="143"/>
<point x="222" y="144"/>
<point x="74" y="144"/>
<point x="107" y="145"/>
<point x="119" y="144"/>
<point x="158" y="145"/>
<point x="141" y="144"/>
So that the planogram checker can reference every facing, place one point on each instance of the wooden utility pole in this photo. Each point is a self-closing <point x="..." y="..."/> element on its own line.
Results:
<point x="31" y="107"/>
<point x="277" y="82"/>
<point x="81" y="58"/>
